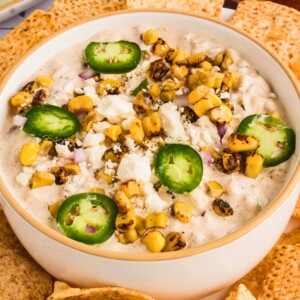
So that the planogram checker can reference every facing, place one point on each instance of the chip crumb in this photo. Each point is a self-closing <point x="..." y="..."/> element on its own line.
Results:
<point x="241" y="293"/>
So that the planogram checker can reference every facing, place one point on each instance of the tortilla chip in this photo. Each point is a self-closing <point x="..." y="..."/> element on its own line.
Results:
<point x="21" y="277"/>
<point x="32" y="30"/>
<point x="66" y="12"/>
<point x="283" y="280"/>
<point x="210" y="8"/>
<point x="295" y="67"/>
<point x="242" y="293"/>
<point x="275" y="25"/>
<point x="64" y="292"/>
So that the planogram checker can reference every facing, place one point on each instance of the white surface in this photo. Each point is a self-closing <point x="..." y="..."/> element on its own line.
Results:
<point x="186" y="278"/>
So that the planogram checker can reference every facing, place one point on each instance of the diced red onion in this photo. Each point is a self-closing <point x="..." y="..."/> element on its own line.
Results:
<point x="19" y="121"/>
<point x="90" y="229"/>
<point x="87" y="74"/>
<point x="11" y="130"/>
<point x="181" y="100"/>
<point x="79" y="155"/>
<point x="222" y="129"/>
<point x="207" y="158"/>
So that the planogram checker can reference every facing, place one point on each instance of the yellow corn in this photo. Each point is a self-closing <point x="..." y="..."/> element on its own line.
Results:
<point x="214" y="189"/>
<point x="221" y="115"/>
<point x="45" y="147"/>
<point x="40" y="179"/>
<point x="253" y="164"/>
<point x="179" y="72"/>
<point x="172" y="53"/>
<point x="193" y="81"/>
<point x="156" y="220"/>
<point x="126" y="222"/>
<point x="174" y="241"/>
<point x="213" y="98"/>
<point x="230" y="78"/>
<point x="238" y="142"/>
<point x="127" y="237"/>
<point x="219" y="58"/>
<point x="140" y="226"/>
<point x="21" y="99"/>
<point x="109" y="154"/>
<point x="97" y="190"/>
<point x="152" y="125"/>
<point x="227" y="61"/>
<point x="137" y="132"/>
<point x="231" y="162"/>
<point x="196" y="58"/>
<point x="81" y="104"/>
<point x="202" y="107"/>
<point x="150" y="37"/>
<point x="44" y="81"/>
<point x="140" y="106"/>
<point x="171" y="85"/>
<point x="200" y="92"/>
<point x="154" y="90"/>
<point x="161" y="48"/>
<point x="72" y="169"/>
<point x="205" y="78"/>
<point x="29" y="154"/>
<point x="206" y="65"/>
<point x="213" y="153"/>
<point x="113" y="132"/>
<point x="222" y="208"/>
<point x="123" y="202"/>
<point x="167" y="96"/>
<point x="181" y="58"/>
<point x="131" y="189"/>
<point x="182" y="211"/>
<point x="53" y="208"/>
<point x="218" y="79"/>
<point x="154" y="241"/>
<point x="107" y="178"/>
<point x="89" y="121"/>
<point x="109" y="85"/>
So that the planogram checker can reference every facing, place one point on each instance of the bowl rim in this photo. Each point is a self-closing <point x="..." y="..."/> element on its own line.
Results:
<point x="223" y="241"/>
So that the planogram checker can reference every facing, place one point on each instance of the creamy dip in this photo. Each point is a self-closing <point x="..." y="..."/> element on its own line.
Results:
<point x="246" y="196"/>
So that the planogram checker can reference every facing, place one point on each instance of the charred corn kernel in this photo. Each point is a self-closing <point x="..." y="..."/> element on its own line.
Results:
<point x="150" y="37"/>
<point x="81" y="104"/>
<point x="72" y="169"/>
<point x="231" y="162"/>
<point x="238" y="142"/>
<point x="30" y="87"/>
<point x="137" y="132"/>
<point x="274" y="114"/>
<point x="160" y="48"/>
<point x="222" y="208"/>
<point x="195" y="59"/>
<point x="253" y="164"/>
<point x="171" y="85"/>
<point x="60" y="175"/>
<point x="179" y="72"/>
<point x="123" y="202"/>
<point x="167" y="96"/>
<point x="213" y="153"/>
<point x="219" y="58"/>
<point x="28" y="154"/>
<point x="110" y="86"/>
<point x="44" y="81"/>
<point x="218" y="77"/>
<point x="200" y="92"/>
<point x="126" y="222"/>
<point x="202" y="107"/>
<point x="89" y="121"/>
<point x="45" y="147"/>
<point x="127" y="237"/>
<point x="97" y="190"/>
<point x="140" y="226"/>
<point x="40" y="179"/>
<point x="158" y="69"/>
<point x="172" y="53"/>
<point x="227" y="61"/>
<point x="154" y="241"/>
<point x="154" y="90"/>
<point x="193" y="81"/>
<point x="206" y="65"/>
<point x="230" y="78"/>
<point x="174" y="241"/>
<point x="113" y="132"/>
<point x="181" y="58"/>
<point x="152" y="125"/>
<point x="116" y="157"/>
<point x="21" y="99"/>
<point x="131" y="189"/>
<point x="156" y="220"/>
<point x="140" y="107"/>
<point x="106" y="177"/>
<point x="182" y="211"/>
<point x="221" y="115"/>
<point x="53" y="208"/>
<point x="213" y="98"/>
<point x="205" y="77"/>
<point x="214" y="189"/>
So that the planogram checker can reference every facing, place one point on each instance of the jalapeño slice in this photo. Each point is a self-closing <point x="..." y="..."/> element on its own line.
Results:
<point x="88" y="218"/>
<point x="178" y="167"/>
<point x="143" y="85"/>
<point x="113" y="58"/>
<point x="50" y="122"/>
<point x="276" y="140"/>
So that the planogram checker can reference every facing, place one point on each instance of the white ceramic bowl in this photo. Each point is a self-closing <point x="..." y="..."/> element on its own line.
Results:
<point x="186" y="274"/>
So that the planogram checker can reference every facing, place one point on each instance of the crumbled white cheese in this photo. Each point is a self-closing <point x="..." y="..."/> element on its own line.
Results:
<point x="101" y="126"/>
<point x="153" y="201"/>
<point x="79" y="91"/>
<point x="116" y="108"/>
<point x="136" y="167"/>
<point x="69" y="88"/>
<point x="126" y="123"/>
<point x="63" y="151"/>
<point x="225" y="95"/>
<point x="93" y="139"/>
<point x="91" y="92"/>
<point x="171" y="122"/>
<point x="94" y="156"/>
<point x="23" y="178"/>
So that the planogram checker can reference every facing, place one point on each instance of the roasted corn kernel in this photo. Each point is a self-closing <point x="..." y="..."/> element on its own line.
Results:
<point x="167" y="96"/>
<point x="131" y="189"/>
<point x="72" y="169"/>
<point x="202" y="107"/>
<point x="81" y="104"/>
<point x="152" y="125"/>
<point x="126" y="222"/>
<point x="140" y="226"/>
<point x="189" y="114"/>
<point x="45" y="147"/>
<point x="213" y="153"/>
<point x="156" y="220"/>
<point x="200" y="92"/>
<point x="195" y="59"/>
<point x="137" y="132"/>
<point x="30" y="87"/>
<point x="218" y="79"/>
<point x="150" y="37"/>
<point x="158" y="69"/>
<point x="171" y="85"/>
<point x="127" y="237"/>
<point x="97" y="190"/>
<point x="60" y="175"/>
<point x="214" y="189"/>
<point x="253" y="164"/>
<point x="160" y="48"/>
<point x="89" y="121"/>
<point x="213" y="98"/>
<point x="115" y="156"/>
<point x="44" y="81"/>
<point x="230" y="78"/>
<point x="206" y="65"/>
<point x="154" y="90"/>
<point x="105" y="177"/>
<point x="28" y="154"/>
<point x="113" y="132"/>
<point x="40" y="179"/>
<point x="205" y="78"/>
<point x="227" y="60"/>
<point x="181" y="58"/>
<point x="238" y="142"/>
<point x="110" y="86"/>
<point x="231" y="162"/>
<point x="221" y="115"/>
<point x="40" y="97"/>
<point x="22" y="99"/>
<point x="123" y="202"/>
<point x="54" y="208"/>
<point x="182" y="211"/>
<point x="222" y="208"/>
<point x="174" y="241"/>
<point x="154" y="241"/>
<point x="172" y="53"/>
<point x="193" y="81"/>
<point x="140" y="107"/>
<point x="179" y="72"/>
